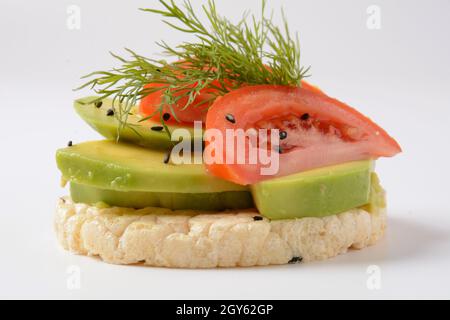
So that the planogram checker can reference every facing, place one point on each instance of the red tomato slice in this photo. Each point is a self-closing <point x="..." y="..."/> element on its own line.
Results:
<point x="195" y="112"/>
<point x="320" y="131"/>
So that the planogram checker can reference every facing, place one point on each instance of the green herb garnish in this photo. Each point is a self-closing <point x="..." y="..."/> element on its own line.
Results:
<point x="223" y="56"/>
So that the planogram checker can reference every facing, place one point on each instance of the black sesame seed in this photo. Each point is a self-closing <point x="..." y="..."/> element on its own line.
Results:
<point x="167" y="156"/>
<point x="257" y="218"/>
<point x="69" y="144"/>
<point x="283" y="135"/>
<point x="279" y="149"/>
<point x="166" y="116"/>
<point x="295" y="260"/>
<point x="158" y="70"/>
<point x="157" y="128"/>
<point x="203" y="145"/>
<point x="230" y="118"/>
<point x="304" y="116"/>
<point x="110" y="112"/>
<point x="98" y="104"/>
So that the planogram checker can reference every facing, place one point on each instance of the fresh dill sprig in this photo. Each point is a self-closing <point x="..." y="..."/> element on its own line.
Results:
<point x="223" y="57"/>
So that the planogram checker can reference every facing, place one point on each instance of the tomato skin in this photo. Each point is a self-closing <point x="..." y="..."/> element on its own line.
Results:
<point x="310" y="87"/>
<point x="196" y="112"/>
<point x="253" y="104"/>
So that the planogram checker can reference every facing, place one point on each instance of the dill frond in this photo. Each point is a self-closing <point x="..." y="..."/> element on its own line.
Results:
<point x="224" y="56"/>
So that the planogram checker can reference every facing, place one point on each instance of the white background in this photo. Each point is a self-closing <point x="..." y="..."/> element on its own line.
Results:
<point x="398" y="75"/>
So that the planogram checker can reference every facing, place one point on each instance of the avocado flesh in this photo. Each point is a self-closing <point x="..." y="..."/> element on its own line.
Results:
<point x="377" y="198"/>
<point x="315" y="193"/>
<point x="127" y="167"/>
<point x="136" y="132"/>
<point x="176" y="201"/>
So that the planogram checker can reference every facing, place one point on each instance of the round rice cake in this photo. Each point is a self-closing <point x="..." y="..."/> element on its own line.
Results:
<point x="192" y="239"/>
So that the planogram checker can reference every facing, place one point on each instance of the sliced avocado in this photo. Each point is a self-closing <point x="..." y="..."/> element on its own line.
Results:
<point x="96" y="115"/>
<point x="176" y="201"/>
<point x="126" y="167"/>
<point x="377" y="198"/>
<point x="315" y="193"/>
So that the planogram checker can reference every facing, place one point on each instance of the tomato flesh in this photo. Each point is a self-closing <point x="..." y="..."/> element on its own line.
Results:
<point x="317" y="130"/>
<point x="195" y="112"/>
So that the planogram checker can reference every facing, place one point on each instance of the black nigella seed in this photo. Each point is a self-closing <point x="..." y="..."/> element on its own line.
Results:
<point x="230" y="118"/>
<point x="304" y="116"/>
<point x="279" y="149"/>
<point x="295" y="260"/>
<point x="157" y="128"/>
<point x="70" y="143"/>
<point x="257" y="218"/>
<point x="283" y="135"/>
<point x="110" y="112"/>
<point x="203" y="145"/>
<point x="167" y="156"/>
<point x="166" y="116"/>
<point x="98" y="104"/>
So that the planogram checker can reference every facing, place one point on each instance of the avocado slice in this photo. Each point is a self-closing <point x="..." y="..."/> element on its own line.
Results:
<point x="126" y="167"/>
<point x="315" y="193"/>
<point x="96" y="115"/>
<point x="377" y="198"/>
<point x="176" y="201"/>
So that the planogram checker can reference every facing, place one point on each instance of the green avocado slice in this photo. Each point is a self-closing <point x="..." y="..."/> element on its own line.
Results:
<point x="127" y="167"/>
<point x="377" y="198"/>
<point x="176" y="201"/>
<point x="315" y="193"/>
<point x="96" y="116"/>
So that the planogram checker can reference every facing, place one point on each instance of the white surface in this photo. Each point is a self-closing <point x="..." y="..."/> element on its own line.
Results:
<point x="399" y="75"/>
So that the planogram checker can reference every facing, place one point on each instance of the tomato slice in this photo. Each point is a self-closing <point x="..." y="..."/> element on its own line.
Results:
<point x="195" y="112"/>
<point x="318" y="130"/>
